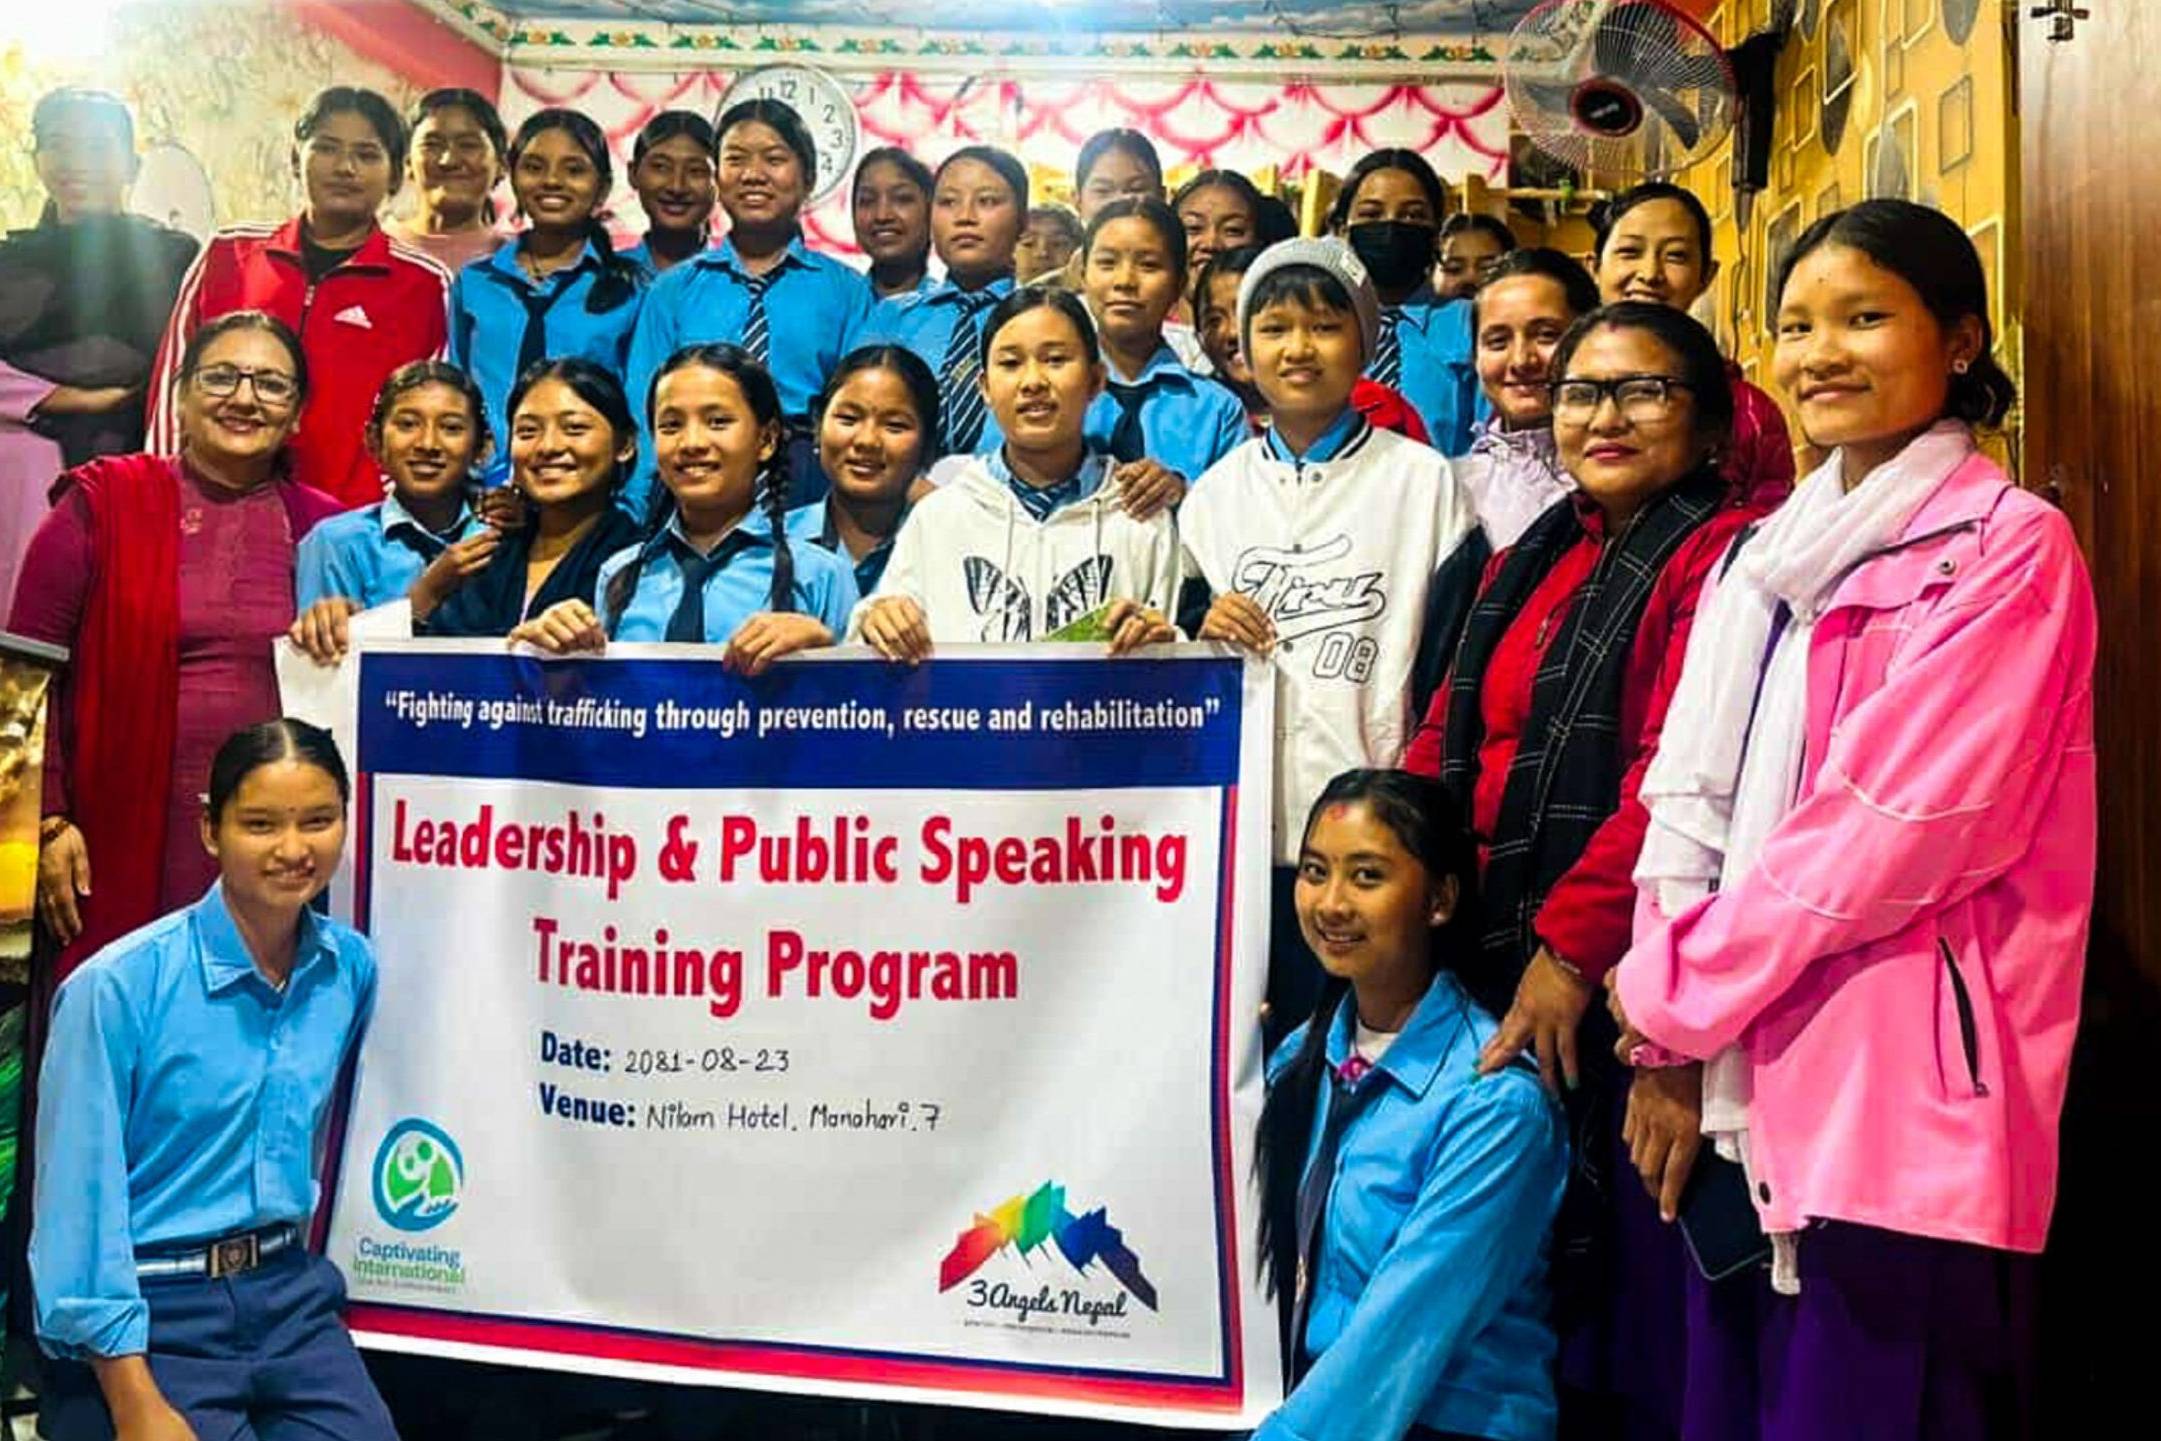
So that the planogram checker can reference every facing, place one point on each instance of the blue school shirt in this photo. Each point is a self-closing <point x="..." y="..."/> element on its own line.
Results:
<point x="812" y="303"/>
<point x="1439" y="377"/>
<point x="372" y="555"/>
<point x="1430" y="1295"/>
<point x="182" y="1099"/>
<point x="641" y="255"/>
<point x="928" y="283"/>
<point x="1326" y="446"/>
<point x="1187" y="423"/>
<point x="810" y="525"/>
<point x="487" y="325"/>
<point x="923" y="322"/>
<point x="740" y="588"/>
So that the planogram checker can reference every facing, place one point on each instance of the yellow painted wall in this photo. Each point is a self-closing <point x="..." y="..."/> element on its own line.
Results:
<point x="223" y="78"/>
<point x="1947" y="109"/>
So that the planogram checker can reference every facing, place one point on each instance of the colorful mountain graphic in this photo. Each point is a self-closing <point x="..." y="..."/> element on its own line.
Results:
<point x="1028" y="1223"/>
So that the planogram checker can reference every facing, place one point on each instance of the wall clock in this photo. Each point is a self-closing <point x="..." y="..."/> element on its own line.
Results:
<point x="825" y="105"/>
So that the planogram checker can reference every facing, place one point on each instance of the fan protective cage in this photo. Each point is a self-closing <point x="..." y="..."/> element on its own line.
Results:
<point x="1619" y="87"/>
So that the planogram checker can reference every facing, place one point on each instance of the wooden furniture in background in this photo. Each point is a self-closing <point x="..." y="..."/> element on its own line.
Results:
<point x="2092" y="251"/>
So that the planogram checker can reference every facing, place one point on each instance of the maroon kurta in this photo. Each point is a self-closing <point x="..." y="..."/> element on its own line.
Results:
<point x="236" y="597"/>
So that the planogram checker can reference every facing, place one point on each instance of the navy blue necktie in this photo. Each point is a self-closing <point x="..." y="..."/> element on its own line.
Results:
<point x="1345" y="1100"/>
<point x="1128" y="440"/>
<point x="959" y="395"/>
<point x="757" y="331"/>
<point x="539" y="300"/>
<point x="687" y="625"/>
<point x="1387" y="366"/>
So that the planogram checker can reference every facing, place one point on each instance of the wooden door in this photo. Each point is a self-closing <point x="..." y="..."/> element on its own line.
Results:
<point x="2090" y="139"/>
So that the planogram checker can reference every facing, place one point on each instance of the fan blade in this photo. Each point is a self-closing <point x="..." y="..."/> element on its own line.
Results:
<point x="1679" y="116"/>
<point x="1642" y="46"/>
<point x="1550" y="101"/>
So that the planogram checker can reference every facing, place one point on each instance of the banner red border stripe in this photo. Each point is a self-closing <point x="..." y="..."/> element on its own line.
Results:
<point x="726" y="1359"/>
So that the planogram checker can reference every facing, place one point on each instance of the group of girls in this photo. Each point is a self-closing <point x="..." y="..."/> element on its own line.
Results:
<point x="1796" y="880"/>
<point x="365" y="298"/>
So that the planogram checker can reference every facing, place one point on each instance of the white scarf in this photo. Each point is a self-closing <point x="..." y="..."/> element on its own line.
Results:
<point x="1730" y="757"/>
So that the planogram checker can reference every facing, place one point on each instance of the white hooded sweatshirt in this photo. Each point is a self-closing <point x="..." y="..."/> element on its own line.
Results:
<point x="1366" y="562"/>
<point x="984" y="569"/>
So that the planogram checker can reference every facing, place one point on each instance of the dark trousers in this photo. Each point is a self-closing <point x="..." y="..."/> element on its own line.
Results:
<point x="261" y="1356"/>
<point x="1620" y="1275"/>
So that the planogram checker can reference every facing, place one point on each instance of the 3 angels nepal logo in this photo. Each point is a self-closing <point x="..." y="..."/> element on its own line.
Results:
<point x="419" y="1176"/>
<point x="1028" y="1223"/>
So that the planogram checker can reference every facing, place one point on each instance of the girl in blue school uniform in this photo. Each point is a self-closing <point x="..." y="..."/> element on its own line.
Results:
<point x="1133" y="272"/>
<point x="572" y="442"/>
<point x="979" y="207"/>
<point x="559" y="291"/>
<point x="891" y="212"/>
<point x="716" y="566"/>
<point x="791" y="308"/>
<point x="877" y="434"/>
<point x="428" y="432"/>
<point x="1389" y="212"/>
<point x="671" y="169"/>
<point x="186" y="1082"/>
<point x="1405" y="1199"/>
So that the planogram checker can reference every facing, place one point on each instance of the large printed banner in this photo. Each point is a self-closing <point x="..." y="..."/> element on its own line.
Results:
<point x="859" y="1030"/>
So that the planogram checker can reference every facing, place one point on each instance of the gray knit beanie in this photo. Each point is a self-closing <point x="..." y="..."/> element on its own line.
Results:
<point x="1326" y="254"/>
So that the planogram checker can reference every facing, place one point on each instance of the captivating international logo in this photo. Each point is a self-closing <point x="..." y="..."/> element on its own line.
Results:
<point x="418" y="1176"/>
<point x="1028" y="1223"/>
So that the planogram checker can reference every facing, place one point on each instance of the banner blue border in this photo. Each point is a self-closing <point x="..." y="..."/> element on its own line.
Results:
<point x="421" y="716"/>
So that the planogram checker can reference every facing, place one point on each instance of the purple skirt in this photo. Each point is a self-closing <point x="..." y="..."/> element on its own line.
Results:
<point x="1893" y="1338"/>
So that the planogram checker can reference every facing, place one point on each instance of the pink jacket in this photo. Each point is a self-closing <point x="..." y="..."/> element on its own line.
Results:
<point x="1902" y="965"/>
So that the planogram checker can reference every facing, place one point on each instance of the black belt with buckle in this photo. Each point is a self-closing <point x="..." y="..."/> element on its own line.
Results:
<point x="226" y="1256"/>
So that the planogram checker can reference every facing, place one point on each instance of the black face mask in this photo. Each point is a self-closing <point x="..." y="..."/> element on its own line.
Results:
<point x="1399" y="253"/>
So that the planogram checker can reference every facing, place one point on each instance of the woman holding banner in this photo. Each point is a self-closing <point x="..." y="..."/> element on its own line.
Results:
<point x="185" y="1085"/>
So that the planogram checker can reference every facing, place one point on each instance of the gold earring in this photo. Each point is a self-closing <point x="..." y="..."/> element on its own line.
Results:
<point x="1958" y="367"/>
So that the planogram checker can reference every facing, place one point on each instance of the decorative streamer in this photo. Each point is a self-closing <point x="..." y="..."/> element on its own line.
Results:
<point x="1294" y="128"/>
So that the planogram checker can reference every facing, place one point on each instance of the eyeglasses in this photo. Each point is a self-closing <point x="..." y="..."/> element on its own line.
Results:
<point x="1637" y="397"/>
<point x="272" y="387"/>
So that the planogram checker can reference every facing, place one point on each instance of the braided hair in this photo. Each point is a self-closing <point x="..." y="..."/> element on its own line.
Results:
<point x="619" y="280"/>
<point x="771" y="495"/>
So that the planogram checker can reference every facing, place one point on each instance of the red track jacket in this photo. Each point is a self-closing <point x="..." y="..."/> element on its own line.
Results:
<point x="386" y="305"/>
